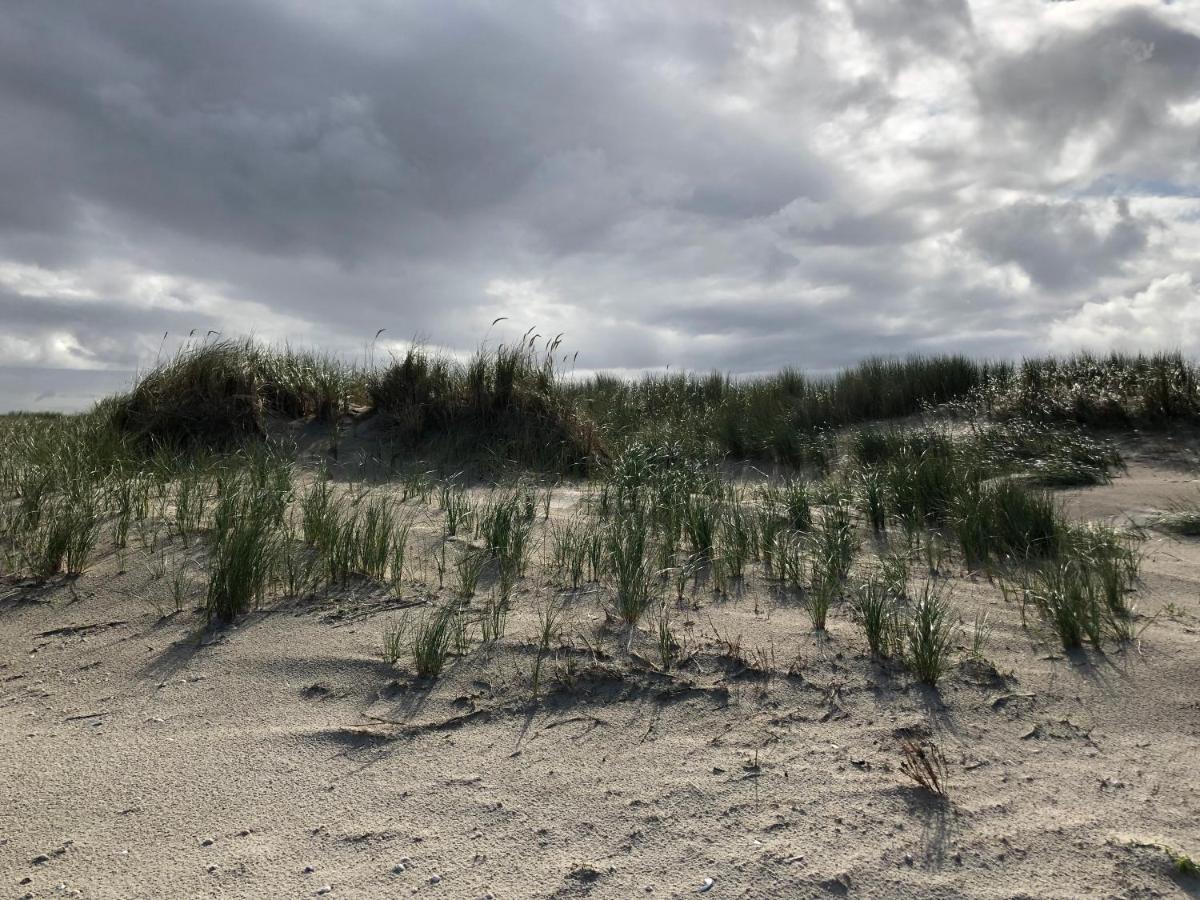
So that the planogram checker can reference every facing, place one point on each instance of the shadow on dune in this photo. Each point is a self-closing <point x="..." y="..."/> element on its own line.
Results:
<point x="937" y="817"/>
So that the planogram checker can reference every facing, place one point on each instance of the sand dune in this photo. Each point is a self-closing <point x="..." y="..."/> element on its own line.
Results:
<point x="145" y="756"/>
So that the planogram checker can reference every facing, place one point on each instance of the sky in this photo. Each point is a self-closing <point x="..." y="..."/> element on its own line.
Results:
<point x="701" y="185"/>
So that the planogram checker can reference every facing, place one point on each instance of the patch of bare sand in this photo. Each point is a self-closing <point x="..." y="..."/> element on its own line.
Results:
<point x="143" y="757"/>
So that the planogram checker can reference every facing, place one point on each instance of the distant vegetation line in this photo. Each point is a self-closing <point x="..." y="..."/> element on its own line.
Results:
<point x="512" y="402"/>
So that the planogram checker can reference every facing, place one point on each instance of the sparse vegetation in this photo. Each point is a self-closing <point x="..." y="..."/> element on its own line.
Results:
<point x="430" y="638"/>
<point x="1182" y="863"/>
<point x="247" y="544"/>
<point x="878" y="614"/>
<point x="548" y="633"/>
<point x="924" y="763"/>
<point x="187" y="456"/>
<point x="1183" y="518"/>
<point x="494" y="620"/>
<point x="469" y="566"/>
<point x="393" y="642"/>
<point x="627" y="544"/>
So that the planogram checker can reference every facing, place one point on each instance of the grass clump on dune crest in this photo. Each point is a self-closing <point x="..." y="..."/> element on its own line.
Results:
<point x="207" y="396"/>
<point x="510" y="405"/>
<point x="215" y="394"/>
<point x="1115" y="391"/>
<point x="780" y="417"/>
<point x="504" y="405"/>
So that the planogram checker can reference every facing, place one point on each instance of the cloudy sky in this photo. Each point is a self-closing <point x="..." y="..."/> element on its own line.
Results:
<point x="739" y="185"/>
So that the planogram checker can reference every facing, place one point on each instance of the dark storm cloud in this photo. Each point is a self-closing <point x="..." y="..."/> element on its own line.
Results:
<point x="704" y="184"/>
<point x="1059" y="245"/>
<point x="1113" y="84"/>
<point x="907" y="30"/>
<point x="233" y="124"/>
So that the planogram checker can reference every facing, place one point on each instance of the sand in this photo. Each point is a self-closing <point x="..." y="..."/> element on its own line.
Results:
<point x="144" y="756"/>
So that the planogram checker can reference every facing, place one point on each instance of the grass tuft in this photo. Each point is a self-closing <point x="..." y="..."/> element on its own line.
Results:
<point x="929" y="636"/>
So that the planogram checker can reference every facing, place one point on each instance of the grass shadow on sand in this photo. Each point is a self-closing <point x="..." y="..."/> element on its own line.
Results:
<point x="937" y="817"/>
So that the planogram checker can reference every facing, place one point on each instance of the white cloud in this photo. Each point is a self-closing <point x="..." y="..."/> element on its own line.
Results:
<point x="50" y="349"/>
<point x="1164" y="316"/>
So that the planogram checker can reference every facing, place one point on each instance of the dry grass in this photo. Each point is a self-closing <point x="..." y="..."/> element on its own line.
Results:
<point x="923" y="762"/>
